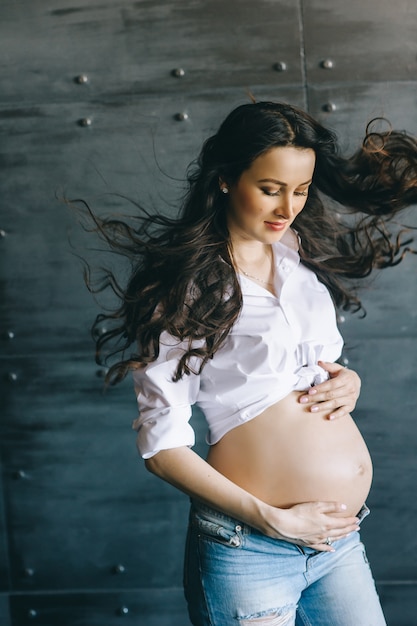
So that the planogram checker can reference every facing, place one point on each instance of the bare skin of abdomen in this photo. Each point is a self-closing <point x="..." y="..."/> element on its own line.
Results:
<point x="288" y="455"/>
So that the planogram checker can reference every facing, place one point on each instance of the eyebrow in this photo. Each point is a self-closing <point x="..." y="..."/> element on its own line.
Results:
<point x="279" y="182"/>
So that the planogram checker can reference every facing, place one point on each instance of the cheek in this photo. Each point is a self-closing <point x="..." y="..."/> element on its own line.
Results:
<point x="300" y="206"/>
<point x="247" y="206"/>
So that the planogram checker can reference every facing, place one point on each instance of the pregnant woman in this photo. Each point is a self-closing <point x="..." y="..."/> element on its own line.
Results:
<point x="232" y="307"/>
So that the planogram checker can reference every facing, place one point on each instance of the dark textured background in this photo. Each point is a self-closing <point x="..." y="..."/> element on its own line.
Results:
<point x="87" y="537"/>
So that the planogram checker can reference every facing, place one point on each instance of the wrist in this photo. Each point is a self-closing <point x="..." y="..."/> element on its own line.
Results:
<point x="270" y="520"/>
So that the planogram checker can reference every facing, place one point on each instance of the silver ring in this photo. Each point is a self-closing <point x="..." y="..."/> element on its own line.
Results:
<point x="328" y="541"/>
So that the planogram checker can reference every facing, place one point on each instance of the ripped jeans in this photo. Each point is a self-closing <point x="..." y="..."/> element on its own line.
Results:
<point x="236" y="576"/>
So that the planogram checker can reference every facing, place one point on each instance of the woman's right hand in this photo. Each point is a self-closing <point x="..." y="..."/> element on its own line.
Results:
<point x="314" y="524"/>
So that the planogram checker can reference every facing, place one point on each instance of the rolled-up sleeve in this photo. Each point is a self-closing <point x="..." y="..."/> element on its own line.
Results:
<point x="164" y="405"/>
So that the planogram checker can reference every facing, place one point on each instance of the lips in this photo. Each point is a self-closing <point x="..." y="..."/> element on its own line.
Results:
<point x="276" y="225"/>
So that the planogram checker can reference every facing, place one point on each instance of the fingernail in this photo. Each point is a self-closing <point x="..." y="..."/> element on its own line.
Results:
<point x="343" y="506"/>
<point x="303" y="400"/>
<point x="311" y="392"/>
<point x="314" y="409"/>
<point x="331" y="417"/>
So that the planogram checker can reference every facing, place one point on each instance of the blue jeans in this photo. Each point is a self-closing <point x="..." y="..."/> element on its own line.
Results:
<point x="236" y="576"/>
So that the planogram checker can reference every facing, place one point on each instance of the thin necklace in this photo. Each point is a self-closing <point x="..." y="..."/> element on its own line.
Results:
<point x="264" y="282"/>
<point x="260" y="280"/>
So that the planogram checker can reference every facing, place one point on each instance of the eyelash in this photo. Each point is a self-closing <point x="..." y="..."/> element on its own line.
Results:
<point x="276" y="193"/>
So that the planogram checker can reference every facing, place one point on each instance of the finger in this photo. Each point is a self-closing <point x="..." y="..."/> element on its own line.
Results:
<point x="331" y="405"/>
<point x="332" y="384"/>
<point x="333" y="410"/>
<point x="328" y="544"/>
<point x="329" y="391"/>
<point x="322" y="547"/>
<point x="315" y="545"/>
<point x="332" y="368"/>
<point x="314" y="396"/>
<point x="339" y="372"/>
<point x="343" y="411"/>
<point x="338" y="537"/>
<point x="330" y="507"/>
<point x="341" y="531"/>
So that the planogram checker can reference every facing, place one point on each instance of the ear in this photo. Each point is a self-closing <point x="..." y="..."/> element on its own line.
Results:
<point x="223" y="186"/>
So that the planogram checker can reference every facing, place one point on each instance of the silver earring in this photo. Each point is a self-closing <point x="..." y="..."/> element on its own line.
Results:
<point x="225" y="190"/>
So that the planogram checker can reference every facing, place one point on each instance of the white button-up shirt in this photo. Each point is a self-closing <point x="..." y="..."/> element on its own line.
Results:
<point x="272" y="349"/>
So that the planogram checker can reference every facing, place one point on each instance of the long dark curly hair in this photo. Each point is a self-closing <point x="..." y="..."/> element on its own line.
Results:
<point x="182" y="277"/>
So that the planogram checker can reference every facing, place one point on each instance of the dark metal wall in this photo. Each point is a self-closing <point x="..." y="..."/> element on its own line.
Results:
<point x="99" y="97"/>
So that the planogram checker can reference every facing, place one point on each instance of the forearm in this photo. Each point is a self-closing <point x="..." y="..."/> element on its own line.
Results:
<point x="187" y="471"/>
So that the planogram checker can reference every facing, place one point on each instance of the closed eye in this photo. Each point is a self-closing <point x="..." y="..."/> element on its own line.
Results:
<point x="277" y="193"/>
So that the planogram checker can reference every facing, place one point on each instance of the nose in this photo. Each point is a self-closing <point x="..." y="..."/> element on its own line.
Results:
<point x="284" y="206"/>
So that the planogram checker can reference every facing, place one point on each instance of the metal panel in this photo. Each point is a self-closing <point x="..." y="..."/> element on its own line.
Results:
<point x="348" y="108"/>
<point x="360" y="41"/>
<point x="4" y="556"/>
<point x="129" y="48"/>
<point x="4" y="611"/>
<point x="390" y="302"/>
<point x="72" y="485"/>
<point x="141" y="607"/>
<point x="399" y="603"/>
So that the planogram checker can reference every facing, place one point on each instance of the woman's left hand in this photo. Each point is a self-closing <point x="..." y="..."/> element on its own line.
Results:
<point x="337" y="396"/>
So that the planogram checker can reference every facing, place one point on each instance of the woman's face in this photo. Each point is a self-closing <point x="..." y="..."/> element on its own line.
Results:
<point x="269" y="195"/>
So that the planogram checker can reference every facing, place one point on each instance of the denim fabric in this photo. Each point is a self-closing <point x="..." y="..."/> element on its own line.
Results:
<point x="236" y="576"/>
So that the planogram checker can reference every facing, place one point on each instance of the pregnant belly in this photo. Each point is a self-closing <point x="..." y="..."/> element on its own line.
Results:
<point x="289" y="455"/>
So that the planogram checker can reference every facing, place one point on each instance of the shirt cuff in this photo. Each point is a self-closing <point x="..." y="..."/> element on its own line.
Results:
<point x="168" y="429"/>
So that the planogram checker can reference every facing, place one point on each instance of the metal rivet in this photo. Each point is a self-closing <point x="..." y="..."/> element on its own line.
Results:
<point x="234" y="541"/>
<point x="9" y="334"/>
<point x="281" y="66"/>
<point x="329" y="107"/>
<point x="181" y="117"/>
<point x="342" y="319"/>
<point x="2" y="233"/>
<point x="85" y="121"/>
<point x="82" y="79"/>
<point x="119" y="569"/>
<point x="345" y="361"/>
<point x="123" y="610"/>
<point x="29" y="571"/>
<point x="178" y="72"/>
<point x="32" y="613"/>
<point x="327" y="64"/>
<point x="12" y="377"/>
<point x="20" y="474"/>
